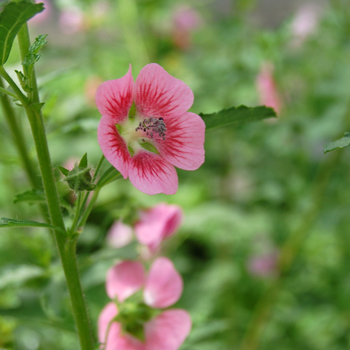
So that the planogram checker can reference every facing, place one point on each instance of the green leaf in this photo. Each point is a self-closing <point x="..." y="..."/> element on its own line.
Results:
<point x="341" y="143"/>
<point x="30" y="196"/>
<point x="63" y="170"/>
<point x="18" y="275"/>
<point x="13" y="16"/>
<point x="236" y="116"/>
<point x="32" y="56"/>
<point x="83" y="162"/>
<point x="7" y="222"/>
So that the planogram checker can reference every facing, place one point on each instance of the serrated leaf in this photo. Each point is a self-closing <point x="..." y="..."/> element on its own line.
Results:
<point x="341" y="143"/>
<point x="30" y="196"/>
<point x="83" y="162"/>
<point x="13" y="16"/>
<point x="236" y="116"/>
<point x="8" y="222"/>
<point x="32" y="56"/>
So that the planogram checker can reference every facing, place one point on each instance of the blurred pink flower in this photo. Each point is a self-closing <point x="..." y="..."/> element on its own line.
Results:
<point x="263" y="265"/>
<point x="146" y="142"/>
<point x="71" y="20"/>
<point x="161" y="289"/>
<point x="42" y="16"/>
<point x="157" y="224"/>
<point x="265" y="83"/>
<point x="119" y="235"/>
<point x="185" y="20"/>
<point x="305" y="22"/>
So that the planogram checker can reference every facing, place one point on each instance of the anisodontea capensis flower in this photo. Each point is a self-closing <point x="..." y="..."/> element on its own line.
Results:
<point x="157" y="224"/>
<point x="145" y="129"/>
<point x="131" y="325"/>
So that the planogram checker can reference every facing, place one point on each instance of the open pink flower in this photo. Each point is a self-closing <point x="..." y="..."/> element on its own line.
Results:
<point x="119" y="235"/>
<point x="146" y="142"/>
<point x="158" y="223"/>
<point x="161" y="289"/>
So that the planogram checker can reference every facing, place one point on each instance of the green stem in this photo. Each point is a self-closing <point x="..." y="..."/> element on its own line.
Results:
<point x="19" y="141"/>
<point x="66" y="247"/>
<point x="4" y="91"/>
<point x="288" y="254"/>
<point x="89" y="208"/>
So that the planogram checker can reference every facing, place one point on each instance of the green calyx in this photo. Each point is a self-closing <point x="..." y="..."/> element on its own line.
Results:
<point x="79" y="179"/>
<point x="132" y="316"/>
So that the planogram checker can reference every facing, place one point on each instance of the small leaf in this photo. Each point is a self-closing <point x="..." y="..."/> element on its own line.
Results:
<point x="32" y="56"/>
<point x="13" y="16"/>
<point x="23" y="81"/>
<point x="37" y="106"/>
<point x="63" y="170"/>
<point x="341" y="143"/>
<point x="7" y="222"/>
<point x="83" y="162"/>
<point x="236" y="116"/>
<point x="30" y="196"/>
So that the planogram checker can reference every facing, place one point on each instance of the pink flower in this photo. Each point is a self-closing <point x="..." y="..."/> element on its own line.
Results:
<point x="266" y="87"/>
<point x="162" y="288"/>
<point x="158" y="223"/>
<point x="263" y="265"/>
<point x="146" y="142"/>
<point x="119" y="235"/>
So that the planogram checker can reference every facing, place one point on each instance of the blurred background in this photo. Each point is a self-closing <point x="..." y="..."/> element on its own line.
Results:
<point x="264" y="249"/>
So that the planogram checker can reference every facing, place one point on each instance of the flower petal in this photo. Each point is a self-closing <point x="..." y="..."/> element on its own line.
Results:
<point x="157" y="223"/>
<point x="114" y="97"/>
<point x="168" y="330"/>
<point x="124" y="279"/>
<point x="158" y="94"/>
<point x="164" y="284"/>
<point x="184" y="143"/>
<point x="113" y="146"/>
<point x="151" y="174"/>
<point x="118" y="341"/>
<point x="106" y="315"/>
<point x="119" y="235"/>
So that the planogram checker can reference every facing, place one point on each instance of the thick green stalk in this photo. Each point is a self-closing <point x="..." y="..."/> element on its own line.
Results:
<point x="65" y="246"/>
<point x="19" y="141"/>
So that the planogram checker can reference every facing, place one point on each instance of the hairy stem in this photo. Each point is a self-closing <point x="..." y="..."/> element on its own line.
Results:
<point x="65" y="245"/>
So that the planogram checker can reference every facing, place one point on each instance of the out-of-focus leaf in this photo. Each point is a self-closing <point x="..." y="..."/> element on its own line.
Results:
<point x="341" y="143"/>
<point x="7" y="222"/>
<point x="17" y="275"/>
<point x="13" y="16"/>
<point x="30" y="196"/>
<point x="236" y="116"/>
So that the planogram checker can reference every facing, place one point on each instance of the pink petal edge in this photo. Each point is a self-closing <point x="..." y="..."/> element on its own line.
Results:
<point x="159" y="94"/>
<point x="124" y="279"/>
<point x="151" y="174"/>
<point x="184" y="143"/>
<point x="164" y="284"/>
<point x="114" y="97"/>
<point x="113" y="146"/>
<point x="106" y="315"/>
<point x="168" y="330"/>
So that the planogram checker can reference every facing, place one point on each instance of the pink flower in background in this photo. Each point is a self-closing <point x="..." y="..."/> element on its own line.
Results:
<point x="161" y="289"/>
<point x="71" y="20"/>
<point x="157" y="224"/>
<point x="305" y="22"/>
<point x="119" y="235"/>
<point x="43" y="16"/>
<point x="185" y="20"/>
<point x="263" y="265"/>
<point x="146" y="142"/>
<point x="265" y="83"/>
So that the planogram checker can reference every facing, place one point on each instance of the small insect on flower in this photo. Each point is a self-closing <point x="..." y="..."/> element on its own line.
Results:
<point x="145" y="129"/>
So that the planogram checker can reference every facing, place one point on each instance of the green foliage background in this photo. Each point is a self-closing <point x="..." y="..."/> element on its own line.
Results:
<point x="264" y="187"/>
